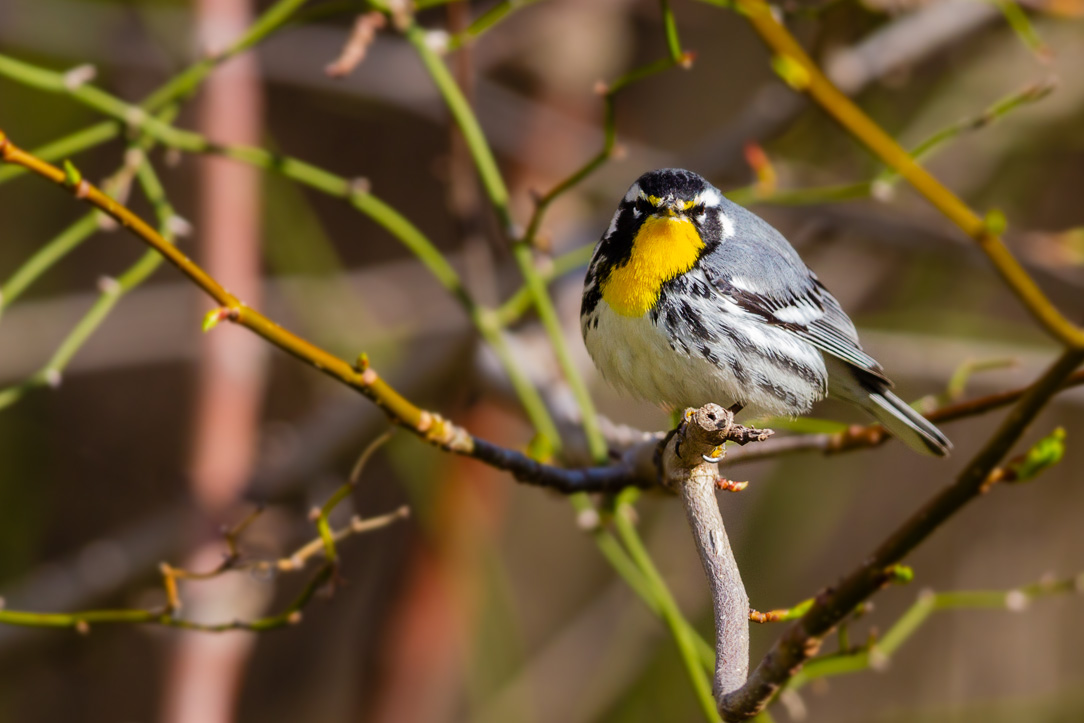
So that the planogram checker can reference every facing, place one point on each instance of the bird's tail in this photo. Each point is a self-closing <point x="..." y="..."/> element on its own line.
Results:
<point x="906" y="424"/>
<point x="871" y="392"/>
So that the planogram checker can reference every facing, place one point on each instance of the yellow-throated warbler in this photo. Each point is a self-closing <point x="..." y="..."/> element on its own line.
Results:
<point x="691" y="299"/>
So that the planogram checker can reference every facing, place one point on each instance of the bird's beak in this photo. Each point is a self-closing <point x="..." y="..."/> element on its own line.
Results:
<point x="673" y="206"/>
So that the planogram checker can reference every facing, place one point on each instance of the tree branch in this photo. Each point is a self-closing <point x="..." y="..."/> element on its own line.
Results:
<point x="803" y="639"/>
<point x="687" y="471"/>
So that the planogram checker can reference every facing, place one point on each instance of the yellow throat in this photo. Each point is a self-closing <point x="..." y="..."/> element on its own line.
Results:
<point x="665" y="247"/>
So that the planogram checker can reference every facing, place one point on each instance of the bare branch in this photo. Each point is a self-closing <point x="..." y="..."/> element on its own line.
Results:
<point x="687" y="470"/>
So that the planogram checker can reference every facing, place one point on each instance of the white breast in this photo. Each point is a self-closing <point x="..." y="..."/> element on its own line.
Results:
<point x="635" y="355"/>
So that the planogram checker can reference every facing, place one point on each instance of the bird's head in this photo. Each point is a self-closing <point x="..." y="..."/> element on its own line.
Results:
<point x="667" y="220"/>
<point x="671" y="193"/>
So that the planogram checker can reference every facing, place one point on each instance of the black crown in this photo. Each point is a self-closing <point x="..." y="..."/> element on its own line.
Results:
<point x="664" y="181"/>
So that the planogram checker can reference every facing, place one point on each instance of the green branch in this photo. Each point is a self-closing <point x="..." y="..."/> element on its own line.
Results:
<point x="486" y="22"/>
<point x="495" y="188"/>
<point x="698" y="661"/>
<point x="879" y="651"/>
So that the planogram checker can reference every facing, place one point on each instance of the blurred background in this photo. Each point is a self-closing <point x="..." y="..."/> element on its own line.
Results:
<point x="489" y="603"/>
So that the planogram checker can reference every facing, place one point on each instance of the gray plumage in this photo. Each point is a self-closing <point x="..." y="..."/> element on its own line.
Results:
<point x="748" y="323"/>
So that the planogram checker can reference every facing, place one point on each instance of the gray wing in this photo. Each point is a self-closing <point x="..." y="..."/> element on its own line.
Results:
<point x="757" y="269"/>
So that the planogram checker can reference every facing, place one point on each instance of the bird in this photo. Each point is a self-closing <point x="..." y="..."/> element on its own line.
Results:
<point x="690" y="298"/>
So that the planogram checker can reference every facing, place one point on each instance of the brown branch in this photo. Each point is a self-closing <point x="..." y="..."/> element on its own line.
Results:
<point x="357" y="44"/>
<point x="803" y="639"/>
<point x="632" y="470"/>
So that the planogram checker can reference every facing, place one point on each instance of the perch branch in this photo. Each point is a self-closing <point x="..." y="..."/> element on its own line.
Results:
<point x="684" y="468"/>
<point x="428" y="424"/>
<point x="686" y="471"/>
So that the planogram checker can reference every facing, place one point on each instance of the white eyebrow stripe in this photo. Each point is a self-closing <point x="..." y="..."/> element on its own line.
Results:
<point x="727" y="224"/>
<point x="613" y="225"/>
<point x="633" y="193"/>
<point x="709" y="197"/>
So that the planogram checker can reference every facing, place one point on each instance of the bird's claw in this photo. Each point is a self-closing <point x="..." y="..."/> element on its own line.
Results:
<point x="716" y="455"/>
<point x="680" y="430"/>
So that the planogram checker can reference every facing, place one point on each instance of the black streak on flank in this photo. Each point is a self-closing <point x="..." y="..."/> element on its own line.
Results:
<point x="787" y="397"/>
<point x="693" y="320"/>
<point x="740" y="373"/>
<point x="591" y="297"/>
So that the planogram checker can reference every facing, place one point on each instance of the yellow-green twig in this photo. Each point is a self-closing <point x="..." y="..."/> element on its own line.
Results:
<point x="796" y="67"/>
<point x="880" y="650"/>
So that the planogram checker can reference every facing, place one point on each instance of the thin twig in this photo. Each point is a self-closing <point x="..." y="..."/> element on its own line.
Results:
<point x="880" y="650"/>
<point x="169" y="616"/>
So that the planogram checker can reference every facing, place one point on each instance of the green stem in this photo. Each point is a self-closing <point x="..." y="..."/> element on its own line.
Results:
<point x="802" y="196"/>
<point x="928" y="603"/>
<point x="609" y="140"/>
<point x="83" y="620"/>
<point x="68" y="146"/>
<point x="673" y="42"/>
<point x="111" y="292"/>
<point x="486" y="21"/>
<point x="498" y="196"/>
<point x="331" y="184"/>
<point x="679" y="628"/>
<point x="1021" y="25"/>
<point x="46" y="257"/>
<point x="82" y="229"/>
<point x="457" y="103"/>
<point x="520" y="302"/>
<point x="862" y="189"/>
<point x="183" y="84"/>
